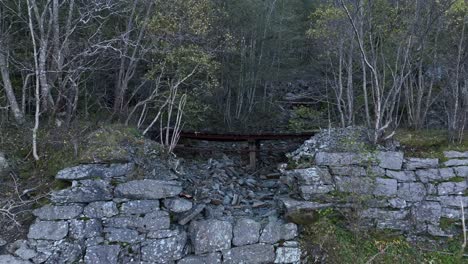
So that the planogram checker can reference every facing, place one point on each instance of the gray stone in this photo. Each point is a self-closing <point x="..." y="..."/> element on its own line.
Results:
<point x="212" y="258"/>
<point x="138" y="207"/>
<point x="289" y="231"/>
<point x="188" y="216"/>
<point x="453" y="201"/>
<point x="165" y="233"/>
<point x="81" y="229"/>
<point x="210" y="235"/>
<point x="291" y="205"/>
<point x="64" y="252"/>
<point x="348" y="171"/>
<point x="381" y="214"/>
<point x="431" y="175"/>
<point x="461" y="171"/>
<point x="402" y="225"/>
<point x="412" y="192"/>
<point x="121" y="235"/>
<point x="337" y="159"/>
<point x="452" y="213"/>
<point x="427" y="212"/>
<point x="359" y="185"/>
<point x="164" y="250"/>
<point x="9" y="259"/>
<point x="251" y="254"/>
<point x="102" y="254"/>
<point x="392" y="160"/>
<point x="85" y="192"/>
<point x="385" y="187"/>
<point x="309" y="191"/>
<point x="435" y="230"/>
<point x="419" y="163"/>
<point x="88" y="171"/>
<point x="101" y="209"/>
<point x="48" y="230"/>
<point x="156" y="220"/>
<point x="178" y="205"/>
<point x="446" y="188"/>
<point x="397" y="203"/>
<point x="456" y="162"/>
<point x="245" y="232"/>
<point x="148" y="189"/>
<point x="271" y="233"/>
<point x="401" y="176"/>
<point x="25" y="252"/>
<point x="51" y="212"/>
<point x="311" y="175"/>
<point x="288" y="255"/>
<point x="456" y="155"/>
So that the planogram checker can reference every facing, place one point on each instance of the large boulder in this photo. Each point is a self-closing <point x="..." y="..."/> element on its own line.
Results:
<point x="148" y="189"/>
<point x="210" y="236"/>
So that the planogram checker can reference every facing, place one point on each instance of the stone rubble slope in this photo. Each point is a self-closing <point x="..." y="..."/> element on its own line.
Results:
<point x="107" y="217"/>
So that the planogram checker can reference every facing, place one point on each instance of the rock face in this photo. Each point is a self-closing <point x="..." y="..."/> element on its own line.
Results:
<point x="210" y="236"/>
<point x="148" y="189"/>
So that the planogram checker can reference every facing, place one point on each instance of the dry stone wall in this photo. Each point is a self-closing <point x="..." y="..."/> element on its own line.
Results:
<point x="105" y="217"/>
<point x="412" y="195"/>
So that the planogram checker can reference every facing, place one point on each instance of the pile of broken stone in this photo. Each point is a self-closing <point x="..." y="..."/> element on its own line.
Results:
<point x="108" y="217"/>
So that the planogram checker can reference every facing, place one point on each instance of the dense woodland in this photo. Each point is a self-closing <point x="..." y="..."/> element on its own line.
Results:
<point x="167" y="65"/>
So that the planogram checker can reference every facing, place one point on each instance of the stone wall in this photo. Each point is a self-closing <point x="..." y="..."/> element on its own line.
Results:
<point x="105" y="217"/>
<point x="412" y="195"/>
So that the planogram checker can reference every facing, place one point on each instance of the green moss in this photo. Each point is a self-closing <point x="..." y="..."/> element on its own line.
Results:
<point x="457" y="179"/>
<point x="447" y="223"/>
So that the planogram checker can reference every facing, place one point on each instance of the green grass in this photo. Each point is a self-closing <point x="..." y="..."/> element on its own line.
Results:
<point x="428" y="143"/>
<point x="343" y="246"/>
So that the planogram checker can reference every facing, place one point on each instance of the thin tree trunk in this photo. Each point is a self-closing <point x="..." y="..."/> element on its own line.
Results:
<point x="18" y="115"/>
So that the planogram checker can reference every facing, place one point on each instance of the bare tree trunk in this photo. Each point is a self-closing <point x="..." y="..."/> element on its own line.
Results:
<point x="19" y="116"/>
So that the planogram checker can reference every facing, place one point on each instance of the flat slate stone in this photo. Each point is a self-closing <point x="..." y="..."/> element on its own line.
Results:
<point x="359" y="185"/>
<point x="419" y="163"/>
<point x="101" y="209"/>
<point x="88" y="171"/>
<point x="434" y="175"/>
<point x="309" y="191"/>
<point x="427" y="212"/>
<point x="86" y="191"/>
<point x="412" y="192"/>
<point x="178" y="205"/>
<point x="446" y="188"/>
<point x="456" y="162"/>
<point x="311" y="175"/>
<point x="122" y="235"/>
<point x="252" y="254"/>
<point x="212" y="258"/>
<point x="461" y="171"/>
<point x="292" y="205"/>
<point x="271" y="233"/>
<point x="48" y="230"/>
<point x="289" y="231"/>
<point x="138" y="207"/>
<point x="385" y="187"/>
<point x="246" y="232"/>
<point x="392" y="160"/>
<point x="148" y="189"/>
<point x="81" y="229"/>
<point x="348" y="170"/>
<point x="456" y="155"/>
<point x="210" y="236"/>
<point x="164" y="250"/>
<point x="105" y="254"/>
<point x="453" y="200"/>
<point x="337" y="159"/>
<point x="58" y="212"/>
<point x="401" y="176"/>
